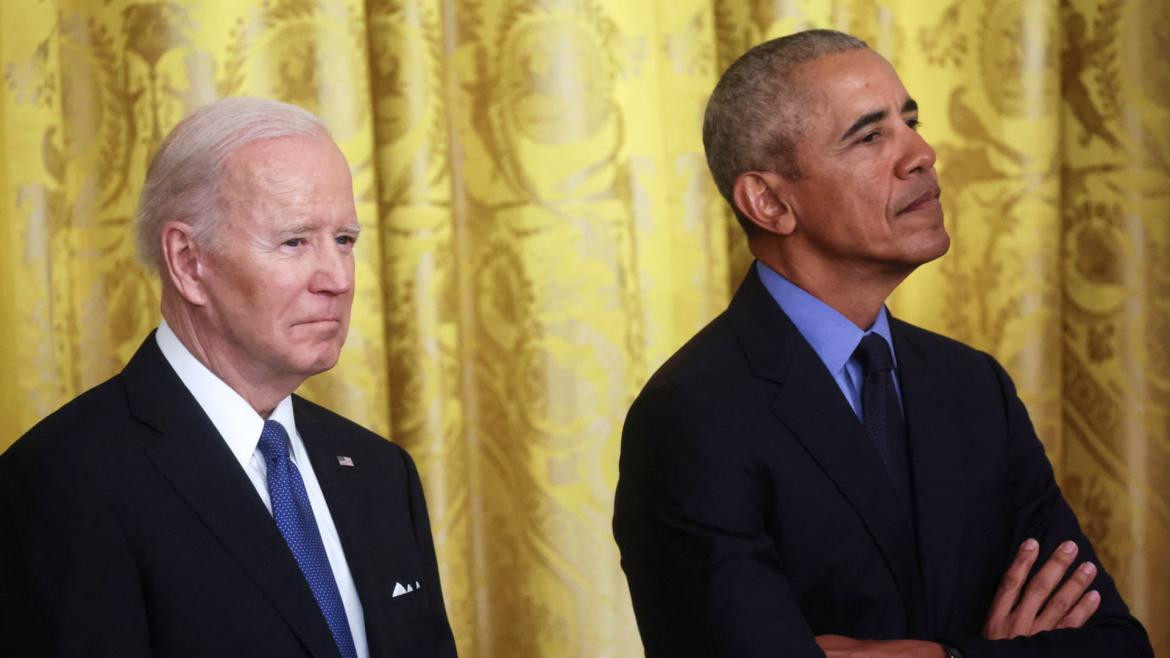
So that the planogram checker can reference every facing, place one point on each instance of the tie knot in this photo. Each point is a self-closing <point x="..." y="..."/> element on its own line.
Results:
<point x="873" y="353"/>
<point x="273" y="441"/>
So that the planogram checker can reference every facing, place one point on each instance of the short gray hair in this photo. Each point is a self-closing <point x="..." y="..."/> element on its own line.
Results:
<point x="753" y="118"/>
<point x="184" y="177"/>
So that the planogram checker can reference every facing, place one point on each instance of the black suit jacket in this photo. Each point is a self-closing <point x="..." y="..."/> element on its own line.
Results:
<point x="752" y="514"/>
<point x="127" y="528"/>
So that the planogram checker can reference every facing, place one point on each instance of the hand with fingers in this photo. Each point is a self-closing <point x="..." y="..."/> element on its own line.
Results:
<point x="1025" y="607"/>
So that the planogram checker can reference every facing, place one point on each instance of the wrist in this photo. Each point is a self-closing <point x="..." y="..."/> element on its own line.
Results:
<point x="950" y="651"/>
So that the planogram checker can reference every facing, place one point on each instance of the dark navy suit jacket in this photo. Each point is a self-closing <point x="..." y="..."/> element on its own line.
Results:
<point x="752" y="514"/>
<point x="127" y="528"/>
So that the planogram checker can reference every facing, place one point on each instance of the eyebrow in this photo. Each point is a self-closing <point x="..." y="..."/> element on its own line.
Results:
<point x="871" y="118"/>
<point x="352" y="229"/>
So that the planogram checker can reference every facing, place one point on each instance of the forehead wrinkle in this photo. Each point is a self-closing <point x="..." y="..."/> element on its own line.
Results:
<point x="279" y="197"/>
<point x="312" y="227"/>
<point x="265" y="192"/>
<point x="274" y="183"/>
<point x="253" y="172"/>
<point x="303" y="227"/>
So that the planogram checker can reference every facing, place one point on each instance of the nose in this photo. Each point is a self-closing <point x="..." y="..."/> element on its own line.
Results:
<point x="918" y="157"/>
<point x="334" y="271"/>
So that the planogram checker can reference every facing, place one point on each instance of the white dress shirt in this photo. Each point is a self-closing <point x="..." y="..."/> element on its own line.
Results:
<point x="239" y="425"/>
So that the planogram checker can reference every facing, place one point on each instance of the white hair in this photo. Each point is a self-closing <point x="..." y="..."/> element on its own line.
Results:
<point x="184" y="178"/>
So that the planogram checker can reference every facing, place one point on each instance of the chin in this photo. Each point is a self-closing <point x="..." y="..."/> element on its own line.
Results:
<point x="319" y="361"/>
<point x="328" y="360"/>
<point x="942" y="243"/>
<point x="929" y="247"/>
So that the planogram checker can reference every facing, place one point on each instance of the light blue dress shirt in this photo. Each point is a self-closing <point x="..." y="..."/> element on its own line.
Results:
<point x="832" y="336"/>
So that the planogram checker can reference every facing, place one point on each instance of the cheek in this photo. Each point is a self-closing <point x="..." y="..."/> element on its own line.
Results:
<point x="875" y="190"/>
<point x="284" y="286"/>
<point x="267" y="307"/>
<point x="288" y="306"/>
<point x="871" y="204"/>
<point x="234" y="299"/>
<point x="248" y="284"/>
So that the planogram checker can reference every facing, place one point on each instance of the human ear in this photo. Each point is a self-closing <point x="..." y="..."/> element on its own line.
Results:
<point x="182" y="264"/>
<point x="760" y="196"/>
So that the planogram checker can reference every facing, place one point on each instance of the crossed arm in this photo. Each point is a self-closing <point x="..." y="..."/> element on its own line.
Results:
<point x="701" y="546"/>
<point x="1021" y="607"/>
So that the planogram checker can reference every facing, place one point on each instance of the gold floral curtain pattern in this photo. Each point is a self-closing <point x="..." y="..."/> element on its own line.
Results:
<point x="540" y="232"/>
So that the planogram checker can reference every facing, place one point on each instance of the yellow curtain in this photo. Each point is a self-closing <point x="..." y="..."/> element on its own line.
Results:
<point x="540" y="233"/>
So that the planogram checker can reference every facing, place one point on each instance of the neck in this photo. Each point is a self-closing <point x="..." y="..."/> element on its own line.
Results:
<point x="856" y="293"/>
<point x="260" y="390"/>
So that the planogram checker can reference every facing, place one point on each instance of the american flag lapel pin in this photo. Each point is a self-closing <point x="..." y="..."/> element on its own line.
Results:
<point x="344" y="460"/>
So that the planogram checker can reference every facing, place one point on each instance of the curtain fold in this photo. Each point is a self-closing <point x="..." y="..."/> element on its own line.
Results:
<point x="540" y="232"/>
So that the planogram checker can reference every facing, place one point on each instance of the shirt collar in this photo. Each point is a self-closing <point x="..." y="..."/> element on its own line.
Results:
<point x="832" y="336"/>
<point x="235" y="419"/>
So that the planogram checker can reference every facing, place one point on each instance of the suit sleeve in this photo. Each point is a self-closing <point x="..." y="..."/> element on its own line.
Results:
<point x="1041" y="512"/>
<point x="444" y="646"/>
<point x="69" y="584"/>
<point x="689" y="517"/>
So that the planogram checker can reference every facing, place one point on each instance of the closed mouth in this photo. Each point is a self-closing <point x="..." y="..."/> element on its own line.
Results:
<point x="927" y="199"/>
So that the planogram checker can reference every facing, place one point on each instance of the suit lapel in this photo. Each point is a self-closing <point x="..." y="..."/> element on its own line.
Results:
<point x="936" y="466"/>
<point x="810" y="404"/>
<point x="350" y="491"/>
<point x="190" y="454"/>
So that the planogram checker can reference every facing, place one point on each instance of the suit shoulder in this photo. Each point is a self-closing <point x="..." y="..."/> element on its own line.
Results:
<point x="68" y="457"/>
<point x="951" y="352"/>
<point x="710" y="356"/>
<point x="339" y="425"/>
<point x="705" y="389"/>
<point x="69" y="430"/>
<point x="919" y="335"/>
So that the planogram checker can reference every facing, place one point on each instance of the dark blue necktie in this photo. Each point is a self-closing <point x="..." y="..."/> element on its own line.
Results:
<point x="294" y="517"/>
<point x="882" y="413"/>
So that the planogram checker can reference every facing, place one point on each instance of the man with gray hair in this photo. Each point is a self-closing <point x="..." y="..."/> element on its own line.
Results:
<point x="810" y="476"/>
<point x="193" y="505"/>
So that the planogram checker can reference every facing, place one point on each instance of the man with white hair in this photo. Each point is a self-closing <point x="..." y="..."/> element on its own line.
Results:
<point x="192" y="505"/>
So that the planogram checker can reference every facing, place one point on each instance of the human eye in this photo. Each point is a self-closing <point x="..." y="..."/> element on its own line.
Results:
<point x="870" y="137"/>
<point x="295" y="242"/>
<point x="914" y="123"/>
<point x="346" y="240"/>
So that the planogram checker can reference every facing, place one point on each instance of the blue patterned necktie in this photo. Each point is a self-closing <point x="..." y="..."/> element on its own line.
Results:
<point x="294" y="517"/>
